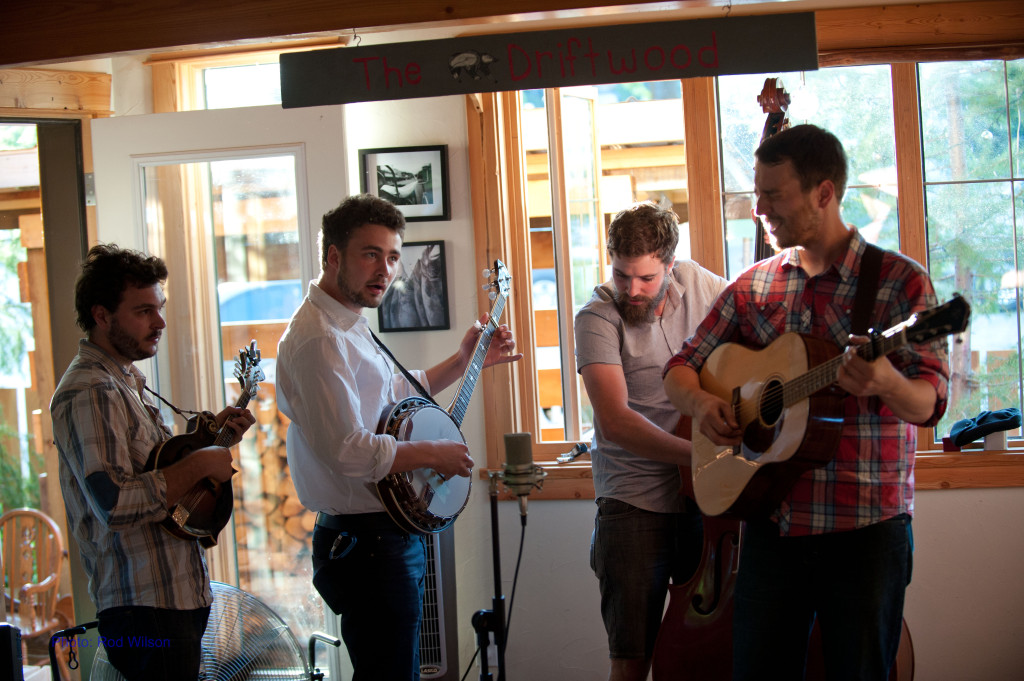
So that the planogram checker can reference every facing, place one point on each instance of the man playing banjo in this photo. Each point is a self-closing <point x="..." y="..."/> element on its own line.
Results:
<point x="334" y="380"/>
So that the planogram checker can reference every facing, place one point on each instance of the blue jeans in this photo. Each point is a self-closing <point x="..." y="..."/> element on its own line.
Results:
<point x="634" y="553"/>
<point x="153" y="644"/>
<point x="853" y="582"/>
<point x="373" y="578"/>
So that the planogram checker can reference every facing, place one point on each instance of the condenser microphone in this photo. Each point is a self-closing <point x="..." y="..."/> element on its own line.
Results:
<point x="519" y="474"/>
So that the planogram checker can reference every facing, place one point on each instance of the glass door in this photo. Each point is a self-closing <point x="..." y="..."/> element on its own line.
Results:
<point x="233" y="223"/>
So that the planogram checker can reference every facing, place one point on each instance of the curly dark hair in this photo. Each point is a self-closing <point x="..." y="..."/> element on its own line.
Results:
<point x="644" y="228"/>
<point x="817" y="155"/>
<point x="353" y="213"/>
<point x="106" y="272"/>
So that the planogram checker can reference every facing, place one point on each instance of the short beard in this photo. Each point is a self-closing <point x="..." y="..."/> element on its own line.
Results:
<point x="125" y="345"/>
<point x="355" y="294"/>
<point x="638" y="315"/>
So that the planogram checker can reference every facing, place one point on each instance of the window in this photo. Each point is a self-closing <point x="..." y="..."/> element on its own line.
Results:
<point x="974" y="195"/>
<point x="970" y="190"/>
<point x="614" y="145"/>
<point x="217" y="79"/>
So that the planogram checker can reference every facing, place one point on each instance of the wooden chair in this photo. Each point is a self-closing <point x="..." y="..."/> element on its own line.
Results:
<point x="31" y="551"/>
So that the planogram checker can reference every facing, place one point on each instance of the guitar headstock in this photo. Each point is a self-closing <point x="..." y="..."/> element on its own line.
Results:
<point x="500" y="281"/>
<point x="247" y="369"/>
<point x="949" y="318"/>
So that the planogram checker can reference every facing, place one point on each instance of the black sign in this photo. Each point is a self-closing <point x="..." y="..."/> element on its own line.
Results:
<point x="524" y="61"/>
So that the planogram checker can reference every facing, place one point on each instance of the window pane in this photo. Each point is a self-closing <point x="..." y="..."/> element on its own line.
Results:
<point x="244" y="226"/>
<point x="964" y="126"/>
<point x="855" y="103"/>
<point x="226" y="87"/>
<point x="975" y="241"/>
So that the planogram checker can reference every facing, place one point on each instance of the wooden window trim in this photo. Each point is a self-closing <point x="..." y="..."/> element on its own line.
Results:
<point x="508" y="409"/>
<point x="176" y="74"/>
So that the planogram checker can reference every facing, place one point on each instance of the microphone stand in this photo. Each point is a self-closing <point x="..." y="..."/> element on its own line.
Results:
<point x="490" y="621"/>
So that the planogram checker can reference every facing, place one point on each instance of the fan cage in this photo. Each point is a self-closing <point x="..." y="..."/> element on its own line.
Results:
<point x="245" y="639"/>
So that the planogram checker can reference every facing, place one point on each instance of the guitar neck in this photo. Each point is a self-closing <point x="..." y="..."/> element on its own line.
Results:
<point x="826" y="373"/>
<point x="457" y="409"/>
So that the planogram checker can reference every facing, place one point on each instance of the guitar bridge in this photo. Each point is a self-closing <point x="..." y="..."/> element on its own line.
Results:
<point x="180" y="515"/>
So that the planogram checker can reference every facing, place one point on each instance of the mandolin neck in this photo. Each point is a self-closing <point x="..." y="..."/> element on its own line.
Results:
<point x="225" y="434"/>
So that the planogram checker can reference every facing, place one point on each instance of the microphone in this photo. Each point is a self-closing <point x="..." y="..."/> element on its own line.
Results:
<point x="519" y="474"/>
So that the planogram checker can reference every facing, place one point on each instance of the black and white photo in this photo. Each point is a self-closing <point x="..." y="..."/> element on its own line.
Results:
<point x="418" y="297"/>
<point x="413" y="178"/>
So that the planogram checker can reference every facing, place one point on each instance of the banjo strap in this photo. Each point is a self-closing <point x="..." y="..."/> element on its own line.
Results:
<point x="409" y="377"/>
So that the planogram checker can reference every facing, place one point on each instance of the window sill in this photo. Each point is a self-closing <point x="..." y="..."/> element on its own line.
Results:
<point x="971" y="469"/>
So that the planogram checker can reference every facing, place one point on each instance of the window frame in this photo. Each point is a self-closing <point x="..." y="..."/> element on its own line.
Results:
<point x="499" y="216"/>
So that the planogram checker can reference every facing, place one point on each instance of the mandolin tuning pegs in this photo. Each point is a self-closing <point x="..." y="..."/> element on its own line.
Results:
<point x="486" y="287"/>
<point x="492" y="295"/>
<point x="485" y="273"/>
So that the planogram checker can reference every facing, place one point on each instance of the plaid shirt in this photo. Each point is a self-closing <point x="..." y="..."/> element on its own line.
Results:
<point x="105" y="429"/>
<point x="871" y="477"/>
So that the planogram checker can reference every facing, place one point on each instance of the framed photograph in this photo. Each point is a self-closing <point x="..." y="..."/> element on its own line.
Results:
<point x="418" y="297"/>
<point x="413" y="178"/>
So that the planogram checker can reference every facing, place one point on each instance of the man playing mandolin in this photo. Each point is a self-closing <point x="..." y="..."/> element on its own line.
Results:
<point x="644" y="532"/>
<point x="147" y="584"/>
<point x="334" y="381"/>
<point x="838" y="547"/>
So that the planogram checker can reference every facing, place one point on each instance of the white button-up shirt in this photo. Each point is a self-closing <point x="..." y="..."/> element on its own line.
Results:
<point x="333" y="382"/>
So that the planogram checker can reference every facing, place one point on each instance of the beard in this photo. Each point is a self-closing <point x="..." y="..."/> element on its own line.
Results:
<point x="638" y="315"/>
<point x="356" y="293"/>
<point x="126" y="345"/>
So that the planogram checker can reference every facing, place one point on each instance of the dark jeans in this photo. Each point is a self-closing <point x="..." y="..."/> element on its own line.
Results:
<point x="153" y="644"/>
<point x="854" y="582"/>
<point x="375" y="582"/>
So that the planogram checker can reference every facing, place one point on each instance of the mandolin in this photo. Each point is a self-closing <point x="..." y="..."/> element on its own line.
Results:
<point x="206" y="508"/>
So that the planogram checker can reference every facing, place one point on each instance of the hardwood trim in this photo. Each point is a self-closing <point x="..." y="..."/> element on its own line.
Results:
<point x="910" y="174"/>
<point x="49" y="92"/>
<point x="882" y="26"/>
<point x="960" y="471"/>
<point x="707" y="227"/>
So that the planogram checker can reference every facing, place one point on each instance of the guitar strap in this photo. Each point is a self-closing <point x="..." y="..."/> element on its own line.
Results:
<point x="409" y="377"/>
<point x="867" y="289"/>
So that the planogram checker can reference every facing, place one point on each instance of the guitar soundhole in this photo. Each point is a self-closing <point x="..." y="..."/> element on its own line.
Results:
<point x="771" y="406"/>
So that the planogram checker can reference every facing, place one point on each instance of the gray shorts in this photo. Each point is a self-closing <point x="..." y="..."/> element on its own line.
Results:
<point x="634" y="553"/>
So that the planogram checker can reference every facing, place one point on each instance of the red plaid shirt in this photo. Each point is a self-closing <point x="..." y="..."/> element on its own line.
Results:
<point x="871" y="477"/>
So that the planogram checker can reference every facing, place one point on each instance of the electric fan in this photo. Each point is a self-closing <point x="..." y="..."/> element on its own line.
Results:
<point x="244" y="639"/>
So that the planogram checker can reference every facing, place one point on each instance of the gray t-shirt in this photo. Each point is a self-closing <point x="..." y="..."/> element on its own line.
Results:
<point x="642" y="351"/>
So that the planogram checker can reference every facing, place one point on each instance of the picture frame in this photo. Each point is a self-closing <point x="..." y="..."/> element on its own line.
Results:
<point x="413" y="178"/>
<point x="417" y="299"/>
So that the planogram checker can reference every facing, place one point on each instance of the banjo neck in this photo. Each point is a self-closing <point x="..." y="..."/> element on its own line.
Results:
<point x="460" y="404"/>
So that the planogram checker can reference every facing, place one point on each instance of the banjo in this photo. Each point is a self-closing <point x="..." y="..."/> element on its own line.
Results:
<point x="421" y="501"/>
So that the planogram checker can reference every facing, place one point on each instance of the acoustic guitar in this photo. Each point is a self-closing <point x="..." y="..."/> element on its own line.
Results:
<point x="786" y="402"/>
<point x="206" y="508"/>
<point x="421" y="501"/>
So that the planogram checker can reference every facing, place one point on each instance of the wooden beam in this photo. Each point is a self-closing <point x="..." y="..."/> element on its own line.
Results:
<point x="54" y="90"/>
<point x="53" y="30"/>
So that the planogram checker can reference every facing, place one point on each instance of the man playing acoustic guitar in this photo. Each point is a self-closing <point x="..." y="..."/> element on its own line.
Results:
<point x="334" y="381"/>
<point x="151" y="589"/>
<point x="838" y="547"/>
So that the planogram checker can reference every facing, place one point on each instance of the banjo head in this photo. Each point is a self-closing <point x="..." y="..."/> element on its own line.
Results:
<point x="425" y="502"/>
